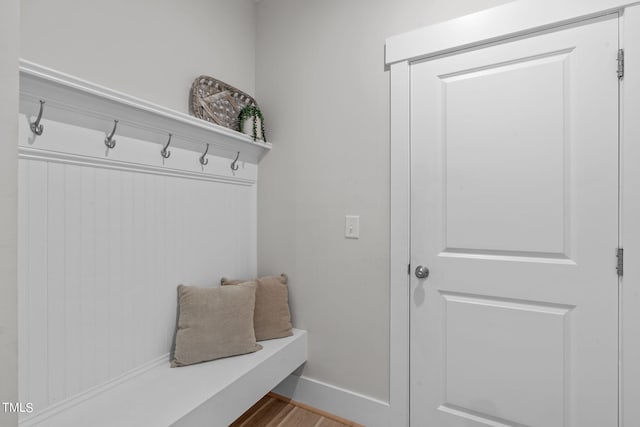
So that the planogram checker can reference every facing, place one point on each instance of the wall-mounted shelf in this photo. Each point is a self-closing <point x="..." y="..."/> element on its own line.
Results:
<point x="78" y="102"/>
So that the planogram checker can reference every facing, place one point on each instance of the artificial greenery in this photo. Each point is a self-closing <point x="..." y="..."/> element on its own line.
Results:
<point x="253" y="111"/>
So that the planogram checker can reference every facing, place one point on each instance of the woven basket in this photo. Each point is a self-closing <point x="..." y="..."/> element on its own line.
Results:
<point x="217" y="102"/>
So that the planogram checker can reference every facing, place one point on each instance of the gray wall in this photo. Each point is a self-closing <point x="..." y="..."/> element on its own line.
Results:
<point x="321" y="83"/>
<point x="9" y="45"/>
<point x="152" y="49"/>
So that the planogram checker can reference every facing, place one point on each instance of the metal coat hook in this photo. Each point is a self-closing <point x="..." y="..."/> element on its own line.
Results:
<point x="36" y="127"/>
<point x="204" y="161"/>
<point x="109" y="141"/>
<point x="234" y="164"/>
<point x="165" y="153"/>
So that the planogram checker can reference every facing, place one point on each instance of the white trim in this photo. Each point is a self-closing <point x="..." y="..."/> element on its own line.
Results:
<point x="630" y="151"/>
<point x="335" y="400"/>
<point x="493" y="25"/>
<point x="75" y="101"/>
<point x="510" y="20"/>
<point x="28" y="153"/>
<point x="76" y="400"/>
<point x="399" y="241"/>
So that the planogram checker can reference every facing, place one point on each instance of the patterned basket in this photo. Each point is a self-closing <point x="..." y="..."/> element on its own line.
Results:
<point x="217" y="102"/>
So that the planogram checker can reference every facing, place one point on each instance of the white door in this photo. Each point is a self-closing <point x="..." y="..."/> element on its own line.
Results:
<point x="514" y="194"/>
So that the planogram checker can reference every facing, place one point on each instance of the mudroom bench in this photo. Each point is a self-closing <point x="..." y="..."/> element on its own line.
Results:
<point x="125" y="223"/>
<point x="209" y="394"/>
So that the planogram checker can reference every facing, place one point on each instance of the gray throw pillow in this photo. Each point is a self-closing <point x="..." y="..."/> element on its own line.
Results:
<point x="214" y="323"/>
<point x="272" y="318"/>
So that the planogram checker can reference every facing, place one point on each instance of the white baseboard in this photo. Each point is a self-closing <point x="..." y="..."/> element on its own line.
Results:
<point x="335" y="400"/>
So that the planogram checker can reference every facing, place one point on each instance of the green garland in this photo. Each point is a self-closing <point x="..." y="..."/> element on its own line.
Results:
<point x="253" y="111"/>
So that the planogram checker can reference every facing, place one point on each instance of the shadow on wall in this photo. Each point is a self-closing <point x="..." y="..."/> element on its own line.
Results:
<point x="290" y="384"/>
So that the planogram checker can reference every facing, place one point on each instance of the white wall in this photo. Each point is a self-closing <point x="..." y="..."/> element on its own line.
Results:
<point x="152" y="49"/>
<point x="321" y="82"/>
<point x="9" y="46"/>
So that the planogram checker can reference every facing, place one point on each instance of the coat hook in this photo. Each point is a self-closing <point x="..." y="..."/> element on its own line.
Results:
<point x="109" y="141"/>
<point x="204" y="161"/>
<point x="36" y="127"/>
<point x="164" y="151"/>
<point x="234" y="165"/>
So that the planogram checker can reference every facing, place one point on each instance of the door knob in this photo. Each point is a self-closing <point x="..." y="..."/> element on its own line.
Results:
<point x="422" y="272"/>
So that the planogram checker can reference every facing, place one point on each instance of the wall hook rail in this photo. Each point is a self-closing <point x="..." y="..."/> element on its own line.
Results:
<point x="234" y="164"/>
<point x="164" y="152"/>
<point x="204" y="161"/>
<point x="36" y="127"/>
<point x="109" y="141"/>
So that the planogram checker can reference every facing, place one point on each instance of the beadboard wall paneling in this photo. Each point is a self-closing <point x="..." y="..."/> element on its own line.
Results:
<point x="103" y="243"/>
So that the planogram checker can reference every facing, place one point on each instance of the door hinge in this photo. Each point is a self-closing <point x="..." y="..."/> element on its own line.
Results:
<point x="408" y="268"/>
<point x="620" y="63"/>
<point x="620" y="264"/>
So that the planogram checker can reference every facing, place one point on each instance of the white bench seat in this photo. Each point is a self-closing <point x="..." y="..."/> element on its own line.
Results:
<point x="208" y="394"/>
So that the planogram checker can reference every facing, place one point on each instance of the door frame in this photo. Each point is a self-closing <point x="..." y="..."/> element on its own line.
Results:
<point x="516" y="19"/>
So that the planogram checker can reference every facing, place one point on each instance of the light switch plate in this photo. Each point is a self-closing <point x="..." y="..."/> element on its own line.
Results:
<point x="352" y="226"/>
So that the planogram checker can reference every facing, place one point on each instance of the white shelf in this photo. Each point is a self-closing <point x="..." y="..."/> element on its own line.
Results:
<point x="71" y="100"/>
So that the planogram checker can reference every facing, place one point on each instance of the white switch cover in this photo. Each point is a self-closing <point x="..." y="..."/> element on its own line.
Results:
<point x="352" y="226"/>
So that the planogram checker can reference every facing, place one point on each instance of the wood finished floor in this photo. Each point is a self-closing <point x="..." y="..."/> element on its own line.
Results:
<point x="274" y="410"/>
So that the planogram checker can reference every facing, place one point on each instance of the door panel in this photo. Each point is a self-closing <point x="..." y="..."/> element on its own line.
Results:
<point x="514" y="195"/>
<point x="475" y="330"/>
<point x="531" y="217"/>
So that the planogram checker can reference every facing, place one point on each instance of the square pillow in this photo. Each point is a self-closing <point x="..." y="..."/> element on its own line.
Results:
<point x="271" y="318"/>
<point x="214" y="323"/>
